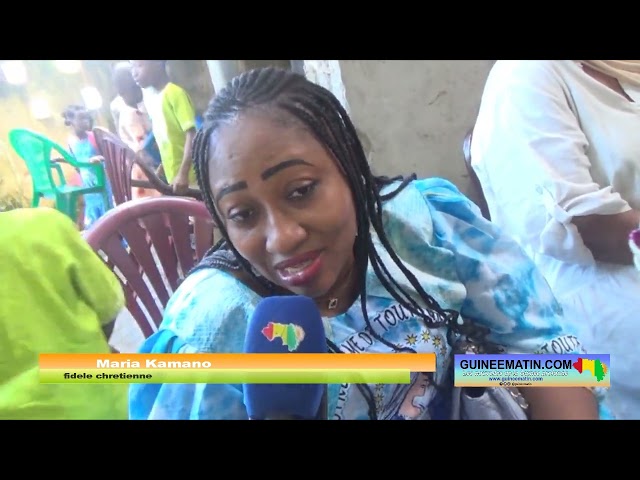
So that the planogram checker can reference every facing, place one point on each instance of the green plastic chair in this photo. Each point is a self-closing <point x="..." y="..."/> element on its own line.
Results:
<point x="36" y="150"/>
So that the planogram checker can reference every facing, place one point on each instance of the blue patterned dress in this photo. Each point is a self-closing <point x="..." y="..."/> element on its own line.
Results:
<point x="95" y="206"/>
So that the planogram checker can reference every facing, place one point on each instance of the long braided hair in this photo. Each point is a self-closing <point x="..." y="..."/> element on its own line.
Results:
<point x="320" y="112"/>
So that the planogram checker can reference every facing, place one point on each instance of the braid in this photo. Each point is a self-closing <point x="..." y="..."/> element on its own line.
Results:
<point x="323" y="115"/>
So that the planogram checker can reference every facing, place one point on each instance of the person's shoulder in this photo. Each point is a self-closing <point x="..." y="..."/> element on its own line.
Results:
<point x="421" y="223"/>
<point x="174" y="90"/>
<point x="526" y="68"/>
<point x="40" y="234"/>
<point x="216" y="286"/>
<point x="431" y="187"/>
<point x="514" y="91"/>
<point x="416" y="210"/>
<point x="440" y="207"/>
<point x="431" y="191"/>
<point x="423" y="193"/>
<point x="31" y="223"/>
<point x="528" y="73"/>
<point x="210" y="307"/>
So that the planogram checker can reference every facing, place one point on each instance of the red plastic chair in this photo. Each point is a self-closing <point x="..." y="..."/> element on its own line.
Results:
<point x="119" y="159"/>
<point x="118" y="162"/>
<point x="147" y="244"/>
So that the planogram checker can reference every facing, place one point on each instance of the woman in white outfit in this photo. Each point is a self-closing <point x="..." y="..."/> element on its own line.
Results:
<point x="556" y="147"/>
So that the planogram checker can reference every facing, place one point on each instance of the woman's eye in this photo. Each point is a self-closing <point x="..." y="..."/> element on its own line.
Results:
<point x="240" y="216"/>
<point x="303" y="191"/>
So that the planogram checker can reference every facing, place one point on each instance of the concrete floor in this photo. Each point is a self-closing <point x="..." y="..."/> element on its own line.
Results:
<point x="127" y="336"/>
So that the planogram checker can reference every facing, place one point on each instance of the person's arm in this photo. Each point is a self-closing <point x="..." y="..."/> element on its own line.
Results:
<point x="506" y="294"/>
<point x="187" y="159"/>
<point x="607" y="236"/>
<point x="186" y="116"/>
<point x="560" y="403"/>
<point x="530" y="153"/>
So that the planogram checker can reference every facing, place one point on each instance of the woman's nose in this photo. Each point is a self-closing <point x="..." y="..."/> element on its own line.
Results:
<point x="284" y="235"/>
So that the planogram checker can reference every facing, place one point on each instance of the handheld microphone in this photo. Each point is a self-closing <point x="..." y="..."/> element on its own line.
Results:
<point x="288" y="324"/>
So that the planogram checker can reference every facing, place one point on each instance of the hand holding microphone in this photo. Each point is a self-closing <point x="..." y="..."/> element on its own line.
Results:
<point x="290" y="324"/>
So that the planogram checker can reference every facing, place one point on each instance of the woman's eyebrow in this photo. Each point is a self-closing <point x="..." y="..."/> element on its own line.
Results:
<point x="271" y="171"/>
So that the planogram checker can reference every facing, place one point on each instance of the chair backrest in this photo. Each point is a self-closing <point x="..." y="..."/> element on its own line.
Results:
<point x="147" y="243"/>
<point x="475" y="181"/>
<point x="36" y="149"/>
<point x="118" y="162"/>
<point x="119" y="159"/>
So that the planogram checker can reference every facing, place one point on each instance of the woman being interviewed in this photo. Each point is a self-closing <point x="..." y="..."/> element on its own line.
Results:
<point x="393" y="264"/>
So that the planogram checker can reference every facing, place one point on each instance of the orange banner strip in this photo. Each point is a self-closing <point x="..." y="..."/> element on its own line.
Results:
<point x="418" y="362"/>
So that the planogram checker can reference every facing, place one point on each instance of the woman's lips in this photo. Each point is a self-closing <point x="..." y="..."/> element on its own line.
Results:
<point x="300" y="270"/>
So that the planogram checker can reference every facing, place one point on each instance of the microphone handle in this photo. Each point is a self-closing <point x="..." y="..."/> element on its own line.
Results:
<point x="323" y="411"/>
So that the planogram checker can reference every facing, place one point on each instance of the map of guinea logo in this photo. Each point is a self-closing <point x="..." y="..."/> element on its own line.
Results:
<point x="596" y="367"/>
<point x="290" y="334"/>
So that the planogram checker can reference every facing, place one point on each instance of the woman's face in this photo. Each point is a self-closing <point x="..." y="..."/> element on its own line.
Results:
<point x="285" y="204"/>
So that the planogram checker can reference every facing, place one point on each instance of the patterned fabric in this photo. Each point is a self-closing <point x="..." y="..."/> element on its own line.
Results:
<point x="458" y="257"/>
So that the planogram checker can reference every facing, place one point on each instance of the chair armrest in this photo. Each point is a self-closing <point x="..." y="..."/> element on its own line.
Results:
<point x="98" y="169"/>
<point x="157" y="183"/>
<point x="56" y="166"/>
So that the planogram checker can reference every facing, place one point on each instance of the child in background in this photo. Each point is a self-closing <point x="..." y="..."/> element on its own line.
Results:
<point x="133" y="125"/>
<point x="82" y="146"/>
<point x="173" y="118"/>
<point x="57" y="297"/>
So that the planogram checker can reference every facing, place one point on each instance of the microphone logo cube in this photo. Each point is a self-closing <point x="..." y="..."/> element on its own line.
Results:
<point x="290" y="334"/>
